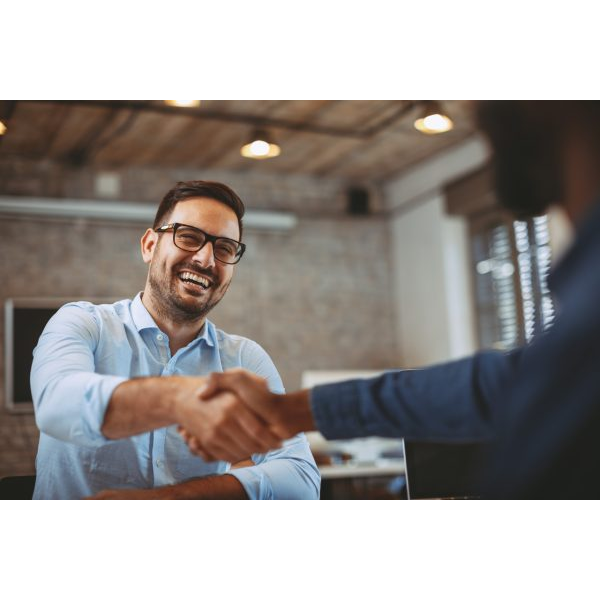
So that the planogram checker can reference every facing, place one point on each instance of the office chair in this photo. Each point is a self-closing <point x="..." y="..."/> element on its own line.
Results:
<point x="17" y="488"/>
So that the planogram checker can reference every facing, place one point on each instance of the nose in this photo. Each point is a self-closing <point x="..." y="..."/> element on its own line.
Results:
<point x="205" y="256"/>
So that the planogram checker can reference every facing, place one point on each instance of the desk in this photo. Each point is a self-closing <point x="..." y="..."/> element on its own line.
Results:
<point x="383" y="468"/>
<point x="363" y="468"/>
<point x="382" y="480"/>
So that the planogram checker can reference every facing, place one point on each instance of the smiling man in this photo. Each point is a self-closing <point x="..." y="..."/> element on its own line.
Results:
<point x="111" y="382"/>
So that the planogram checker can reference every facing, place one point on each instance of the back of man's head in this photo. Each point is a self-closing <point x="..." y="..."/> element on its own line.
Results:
<point x="529" y="139"/>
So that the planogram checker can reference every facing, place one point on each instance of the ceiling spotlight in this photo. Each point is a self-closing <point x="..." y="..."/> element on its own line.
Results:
<point x="183" y="103"/>
<point x="433" y="119"/>
<point x="2" y="128"/>
<point x="260" y="145"/>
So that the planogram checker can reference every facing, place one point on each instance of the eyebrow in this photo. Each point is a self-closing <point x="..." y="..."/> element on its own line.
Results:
<point x="225" y="237"/>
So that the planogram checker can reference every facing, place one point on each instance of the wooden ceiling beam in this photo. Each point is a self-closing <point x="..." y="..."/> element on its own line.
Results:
<point x="246" y="118"/>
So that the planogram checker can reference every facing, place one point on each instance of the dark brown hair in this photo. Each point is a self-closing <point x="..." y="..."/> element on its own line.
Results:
<point x="199" y="189"/>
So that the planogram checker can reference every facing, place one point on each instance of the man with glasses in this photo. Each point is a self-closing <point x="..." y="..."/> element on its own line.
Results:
<point x="111" y="383"/>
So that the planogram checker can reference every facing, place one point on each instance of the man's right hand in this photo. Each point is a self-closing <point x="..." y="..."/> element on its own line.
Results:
<point x="286" y="414"/>
<point x="223" y="428"/>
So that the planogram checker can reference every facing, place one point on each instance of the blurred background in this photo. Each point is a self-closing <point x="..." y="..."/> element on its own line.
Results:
<point x="374" y="237"/>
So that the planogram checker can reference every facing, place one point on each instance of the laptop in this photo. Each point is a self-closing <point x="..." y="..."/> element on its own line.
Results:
<point x="442" y="470"/>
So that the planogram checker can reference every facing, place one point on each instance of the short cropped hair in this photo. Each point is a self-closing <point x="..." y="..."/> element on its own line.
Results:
<point x="199" y="189"/>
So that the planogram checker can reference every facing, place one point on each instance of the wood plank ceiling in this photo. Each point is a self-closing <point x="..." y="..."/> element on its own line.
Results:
<point x="353" y="139"/>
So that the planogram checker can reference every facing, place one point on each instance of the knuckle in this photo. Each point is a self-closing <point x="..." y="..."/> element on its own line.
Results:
<point x="256" y="430"/>
<point x="224" y="422"/>
<point x="230" y="403"/>
<point x="238" y="374"/>
<point x="221" y="421"/>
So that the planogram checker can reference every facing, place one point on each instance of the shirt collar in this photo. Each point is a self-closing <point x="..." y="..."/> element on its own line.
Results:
<point x="142" y="319"/>
<point x="140" y="315"/>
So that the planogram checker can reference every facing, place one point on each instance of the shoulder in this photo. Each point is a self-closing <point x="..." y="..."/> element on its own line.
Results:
<point x="240" y="351"/>
<point x="83" y="309"/>
<point x="242" y="347"/>
<point x="89" y="317"/>
<point x="77" y="314"/>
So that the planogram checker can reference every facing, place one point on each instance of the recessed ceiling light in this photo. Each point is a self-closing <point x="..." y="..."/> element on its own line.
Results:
<point x="183" y="103"/>
<point x="260" y="145"/>
<point x="433" y="119"/>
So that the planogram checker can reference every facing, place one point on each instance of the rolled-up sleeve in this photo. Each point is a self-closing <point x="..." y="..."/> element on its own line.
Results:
<point x="70" y="399"/>
<point x="288" y="473"/>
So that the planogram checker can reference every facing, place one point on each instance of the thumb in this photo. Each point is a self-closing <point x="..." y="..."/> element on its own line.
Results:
<point x="210" y="387"/>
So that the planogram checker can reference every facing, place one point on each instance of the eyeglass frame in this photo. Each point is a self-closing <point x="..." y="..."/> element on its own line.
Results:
<point x="208" y="238"/>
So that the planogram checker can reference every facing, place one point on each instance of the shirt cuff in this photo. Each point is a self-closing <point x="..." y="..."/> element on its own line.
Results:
<point x="254" y="481"/>
<point x="83" y="399"/>
<point x="336" y="410"/>
<point x="97" y="397"/>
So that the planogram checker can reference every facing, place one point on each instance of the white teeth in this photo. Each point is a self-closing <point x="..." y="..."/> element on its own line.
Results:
<point x="187" y="276"/>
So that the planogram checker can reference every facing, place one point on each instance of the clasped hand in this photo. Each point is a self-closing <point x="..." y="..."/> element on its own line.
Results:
<point x="233" y="416"/>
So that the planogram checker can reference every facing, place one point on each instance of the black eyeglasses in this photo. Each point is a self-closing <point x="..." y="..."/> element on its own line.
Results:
<point x="192" y="239"/>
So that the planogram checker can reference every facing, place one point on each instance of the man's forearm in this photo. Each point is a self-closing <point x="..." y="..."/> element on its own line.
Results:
<point x="144" y="404"/>
<point x="217" y="487"/>
<point x="294" y="413"/>
<point x="225" y="427"/>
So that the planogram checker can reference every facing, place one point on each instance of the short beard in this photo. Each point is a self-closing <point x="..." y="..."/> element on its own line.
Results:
<point x="168" y="303"/>
<point x="527" y="162"/>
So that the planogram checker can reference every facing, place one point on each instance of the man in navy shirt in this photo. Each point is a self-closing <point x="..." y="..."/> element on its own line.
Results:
<point x="538" y="406"/>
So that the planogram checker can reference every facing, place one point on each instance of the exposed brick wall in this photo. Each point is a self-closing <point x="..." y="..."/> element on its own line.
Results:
<point x="66" y="259"/>
<point x="18" y="444"/>
<point x="317" y="297"/>
<point x="259" y="190"/>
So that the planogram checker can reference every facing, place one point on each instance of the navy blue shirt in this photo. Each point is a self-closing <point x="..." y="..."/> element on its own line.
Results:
<point x="538" y="407"/>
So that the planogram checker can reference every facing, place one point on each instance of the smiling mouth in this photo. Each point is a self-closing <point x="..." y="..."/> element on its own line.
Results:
<point x="195" y="279"/>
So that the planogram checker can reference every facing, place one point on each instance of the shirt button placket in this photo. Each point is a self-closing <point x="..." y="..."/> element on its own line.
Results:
<point x="162" y="347"/>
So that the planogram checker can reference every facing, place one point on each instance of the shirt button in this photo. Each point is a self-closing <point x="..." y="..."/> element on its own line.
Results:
<point x="159" y="337"/>
<point x="158" y="462"/>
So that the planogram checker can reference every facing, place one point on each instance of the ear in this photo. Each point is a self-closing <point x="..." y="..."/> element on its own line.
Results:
<point x="148" y="243"/>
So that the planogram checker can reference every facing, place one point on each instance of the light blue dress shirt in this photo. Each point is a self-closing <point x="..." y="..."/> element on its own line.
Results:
<point x="85" y="351"/>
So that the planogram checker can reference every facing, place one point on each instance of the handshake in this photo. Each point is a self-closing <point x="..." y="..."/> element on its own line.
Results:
<point x="233" y="415"/>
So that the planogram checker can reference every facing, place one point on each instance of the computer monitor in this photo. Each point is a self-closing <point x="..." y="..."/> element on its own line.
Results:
<point x="443" y="470"/>
<point x="24" y="321"/>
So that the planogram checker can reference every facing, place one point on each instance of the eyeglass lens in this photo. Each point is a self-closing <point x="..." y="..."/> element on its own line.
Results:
<point x="190" y="239"/>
